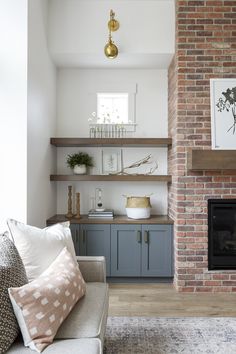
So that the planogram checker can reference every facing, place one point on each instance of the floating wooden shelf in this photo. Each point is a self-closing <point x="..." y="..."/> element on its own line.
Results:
<point x="118" y="219"/>
<point x="211" y="160"/>
<point x="128" y="142"/>
<point x="121" y="178"/>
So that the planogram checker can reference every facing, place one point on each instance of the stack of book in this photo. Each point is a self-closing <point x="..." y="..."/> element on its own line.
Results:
<point x="99" y="214"/>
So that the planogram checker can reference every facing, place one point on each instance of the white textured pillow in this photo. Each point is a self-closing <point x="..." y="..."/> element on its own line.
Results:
<point x="39" y="247"/>
<point x="42" y="305"/>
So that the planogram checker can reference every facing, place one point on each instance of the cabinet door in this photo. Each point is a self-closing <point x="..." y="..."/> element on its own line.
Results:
<point x="95" y="241"/>
<point x="157" y="254"/>
<point x="126" y="244"/>
<point x="75" y="237"/>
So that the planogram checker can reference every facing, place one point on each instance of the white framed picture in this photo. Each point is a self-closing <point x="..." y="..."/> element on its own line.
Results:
<point x="111" y="161"/>
<point x="223" y="114"/>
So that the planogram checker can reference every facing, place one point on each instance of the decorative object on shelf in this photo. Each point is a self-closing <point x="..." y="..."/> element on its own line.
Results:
<point x="79" y="162"/>
<point x="138" y="207"/>
<point x="98" y="214"/>
<point x="104" y="126"/>
<point x="223" y="113"/>
<point x="99" y="202"/>
<point x="98" y="130"/>
<point x="110" y="49"/>
<point x="80" y="169"/>
<point x="146" y="160"/>
<point x="92" y="202"/>
<point x="111" y="161"/>
<point x="69" y="213"/>
<point x="77" y="216"/>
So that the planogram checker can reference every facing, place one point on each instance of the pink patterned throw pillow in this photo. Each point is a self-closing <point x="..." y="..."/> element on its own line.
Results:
<point x="42" y="305"/>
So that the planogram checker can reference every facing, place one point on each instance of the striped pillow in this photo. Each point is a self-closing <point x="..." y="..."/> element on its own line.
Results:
<point x="12" y="273"/>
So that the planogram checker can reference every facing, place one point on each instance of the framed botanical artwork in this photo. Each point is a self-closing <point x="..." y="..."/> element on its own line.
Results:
<point x="111" y="161"/>
<point x="223" y="113"/>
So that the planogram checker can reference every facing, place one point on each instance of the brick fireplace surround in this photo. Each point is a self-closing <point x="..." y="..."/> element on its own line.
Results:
<point x="205" y="48"/>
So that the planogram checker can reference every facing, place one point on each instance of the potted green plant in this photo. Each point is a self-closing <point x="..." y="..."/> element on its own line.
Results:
<point x="79" y="162"/>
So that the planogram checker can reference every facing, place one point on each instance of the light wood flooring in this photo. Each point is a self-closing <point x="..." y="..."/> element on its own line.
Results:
<point x="162" y="300"/>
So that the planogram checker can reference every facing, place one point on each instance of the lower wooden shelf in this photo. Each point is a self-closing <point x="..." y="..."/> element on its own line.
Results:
<point x="121" y="178"/>
<point x="118" y="219"/>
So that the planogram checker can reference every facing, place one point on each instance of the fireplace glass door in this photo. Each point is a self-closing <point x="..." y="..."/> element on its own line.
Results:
<point x="221" y="234"/>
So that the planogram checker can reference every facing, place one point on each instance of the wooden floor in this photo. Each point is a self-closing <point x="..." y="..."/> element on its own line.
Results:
<point x="164" y="301"/>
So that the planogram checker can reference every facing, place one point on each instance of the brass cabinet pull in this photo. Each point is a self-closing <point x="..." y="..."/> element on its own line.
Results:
<point x="139" y="237"/>
<point x="146" y="236"/>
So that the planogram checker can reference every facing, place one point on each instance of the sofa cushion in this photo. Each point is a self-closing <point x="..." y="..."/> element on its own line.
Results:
<point x="12" y="273"/>
<point x="39" y="247"/>
<point x="66" y="346"/>
<point x="42" y="305"/>
<point x="88" y="318"/>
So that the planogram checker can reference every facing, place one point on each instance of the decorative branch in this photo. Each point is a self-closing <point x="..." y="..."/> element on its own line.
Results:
<point x="144" y="161"/>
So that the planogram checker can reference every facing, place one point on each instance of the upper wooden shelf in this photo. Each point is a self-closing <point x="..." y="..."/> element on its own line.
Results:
<point x="121" y="178"/>
<point x="211" y="160"/>
<point x="128" y="142"/>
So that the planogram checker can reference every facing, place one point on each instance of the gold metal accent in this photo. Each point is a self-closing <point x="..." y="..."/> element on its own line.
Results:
<point x="77" y="216"/>
<point x="113" y="24"/>
<point x="69" y="213"/>
<point x="139" y="237"/>
<point x="146" y="236"/>
<point x="110" y="49"/>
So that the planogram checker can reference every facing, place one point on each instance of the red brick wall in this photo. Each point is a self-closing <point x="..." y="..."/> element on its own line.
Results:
<point x="205" y="48"/>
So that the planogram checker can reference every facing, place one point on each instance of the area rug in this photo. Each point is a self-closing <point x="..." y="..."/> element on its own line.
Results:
<point x="186" y="335"/>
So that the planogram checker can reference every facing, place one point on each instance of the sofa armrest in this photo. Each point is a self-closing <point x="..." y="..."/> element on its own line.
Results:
<point x="93" y="269"/>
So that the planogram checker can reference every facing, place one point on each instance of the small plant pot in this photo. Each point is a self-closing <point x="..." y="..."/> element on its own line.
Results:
<point x="80" y="169"/>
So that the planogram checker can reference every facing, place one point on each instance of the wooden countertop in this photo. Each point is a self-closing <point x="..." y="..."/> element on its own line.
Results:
<point x="118" y="219"/>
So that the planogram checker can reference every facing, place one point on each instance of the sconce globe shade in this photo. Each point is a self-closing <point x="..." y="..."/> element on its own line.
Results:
<point x="111" y="50"/>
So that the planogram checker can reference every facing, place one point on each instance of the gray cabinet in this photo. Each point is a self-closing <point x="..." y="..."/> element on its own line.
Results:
<point x="131" y="250"/>
<point x="141" y="250"/>
<point x="94" y="240"/>
<point x="125" y="250"/>
<point x="157" y="255"/>
<point x="75" y="232"/>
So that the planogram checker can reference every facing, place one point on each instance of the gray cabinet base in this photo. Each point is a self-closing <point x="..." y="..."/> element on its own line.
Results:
<point x="140" y="280"/>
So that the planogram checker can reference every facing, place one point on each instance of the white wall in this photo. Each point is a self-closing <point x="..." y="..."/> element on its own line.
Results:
<point x="113" y="191"/>
<point x="81" y="25"/>
<point x="78" y="32"/>
<point x="76" y="99"/>
<point x="13" y="110"/>
<point x="41" y="200"/>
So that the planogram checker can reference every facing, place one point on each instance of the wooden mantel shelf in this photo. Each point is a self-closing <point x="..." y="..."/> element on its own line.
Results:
<point x="128" y="142"/>
<point x="121" y="178"/>
<point x="199" y="160"/>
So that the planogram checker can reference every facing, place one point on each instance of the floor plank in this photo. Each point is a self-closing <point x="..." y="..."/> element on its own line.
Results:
<point x="164" y="301"/>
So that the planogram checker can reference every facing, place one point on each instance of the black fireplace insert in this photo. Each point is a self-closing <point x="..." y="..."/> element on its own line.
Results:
<point x="221" y="234"/>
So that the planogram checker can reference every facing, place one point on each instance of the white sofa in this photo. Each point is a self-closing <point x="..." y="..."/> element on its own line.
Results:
<point x="83" y="330"/>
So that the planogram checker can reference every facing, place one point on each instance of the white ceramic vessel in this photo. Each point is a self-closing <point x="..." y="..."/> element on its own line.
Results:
<point x="138" y="213"/>
<point x="80" y="169"/>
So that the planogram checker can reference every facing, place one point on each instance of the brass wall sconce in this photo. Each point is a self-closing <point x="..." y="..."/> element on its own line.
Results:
<point x="110" y="49"/>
